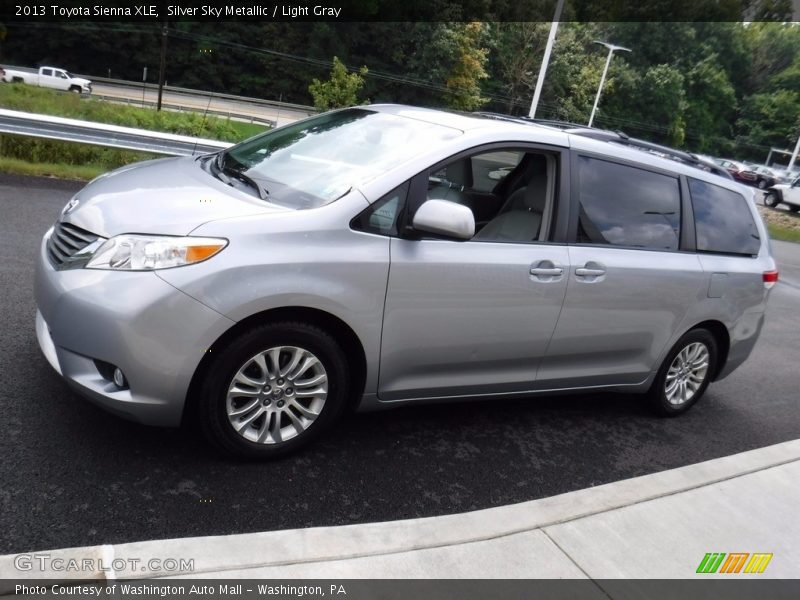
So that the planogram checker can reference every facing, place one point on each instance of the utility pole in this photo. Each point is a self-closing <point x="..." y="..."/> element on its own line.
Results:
<point x="611" y="49"/>
<point x="163" y="66"/>
<point x="546" y="59"/>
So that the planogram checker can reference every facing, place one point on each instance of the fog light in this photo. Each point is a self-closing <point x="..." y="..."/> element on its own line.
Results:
<point x="119" y="378"/>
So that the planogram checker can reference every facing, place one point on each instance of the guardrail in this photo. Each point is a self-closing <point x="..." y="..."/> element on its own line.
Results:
<point x="177" y="107"/>
<point x="100" y="134"/>
<point x="187" y="91"/>
<point x="202" y="93"/>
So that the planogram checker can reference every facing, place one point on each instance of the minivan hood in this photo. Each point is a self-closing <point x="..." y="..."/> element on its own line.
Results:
<point x="169" y="196"/>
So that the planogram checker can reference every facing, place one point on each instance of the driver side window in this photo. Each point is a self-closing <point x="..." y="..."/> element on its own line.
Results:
<point x="509" y="191"/>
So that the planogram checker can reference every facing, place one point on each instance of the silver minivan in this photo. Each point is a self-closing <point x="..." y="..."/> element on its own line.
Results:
<point x="375" y="256"/>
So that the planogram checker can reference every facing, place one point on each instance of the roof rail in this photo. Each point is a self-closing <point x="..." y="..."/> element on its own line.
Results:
<point x="499" y="116"/>
<point x="678" y="155"/>
<point x="616" y="137"/>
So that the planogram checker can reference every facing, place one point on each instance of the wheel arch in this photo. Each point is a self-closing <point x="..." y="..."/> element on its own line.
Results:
<point x="723" y="339"/>
<point x="344" y="334"/>
<point x="776" y="191"/>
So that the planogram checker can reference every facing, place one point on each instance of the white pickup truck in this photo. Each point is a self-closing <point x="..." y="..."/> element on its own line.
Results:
<point x="49" y="77"/>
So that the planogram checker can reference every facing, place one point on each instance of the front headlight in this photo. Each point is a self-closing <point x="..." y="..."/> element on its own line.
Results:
<point x="129" y="252"/>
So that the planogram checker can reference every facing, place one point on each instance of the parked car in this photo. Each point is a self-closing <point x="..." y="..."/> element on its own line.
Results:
<point x="739" y="171"/>
<point x="378" y="256"/>
<point x="784" y="193"/>
<point x="49" y="77"/>
<point x="765" y="176"/>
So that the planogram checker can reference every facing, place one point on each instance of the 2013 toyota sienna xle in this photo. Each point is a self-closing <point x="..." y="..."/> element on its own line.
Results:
<point x="370" y="257"/>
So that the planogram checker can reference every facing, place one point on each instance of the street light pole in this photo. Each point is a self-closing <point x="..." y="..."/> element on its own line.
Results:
<point x="795" y="153"/>
<point x="546" y="59"/>
<point x="611" y="49"/>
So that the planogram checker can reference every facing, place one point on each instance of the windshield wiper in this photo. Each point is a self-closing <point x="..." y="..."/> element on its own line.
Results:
<point x="226" y="172"/>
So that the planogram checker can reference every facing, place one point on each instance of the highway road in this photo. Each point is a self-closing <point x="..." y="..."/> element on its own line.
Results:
<point x="73" y="475"/>
<point x="134" y="94"/>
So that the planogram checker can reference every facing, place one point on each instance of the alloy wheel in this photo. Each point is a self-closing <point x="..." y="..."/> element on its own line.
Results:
<point x="687" y="373"/>
<point x="277" y="395"/>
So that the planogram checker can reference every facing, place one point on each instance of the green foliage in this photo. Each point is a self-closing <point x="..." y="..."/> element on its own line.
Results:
<point x="62" y="159"/>
<point x="39" y="100"/>
<point x="515" y="71"/>
<point x="711" y="107"/>
<point x="463" y="80"/>
<point x="341" y="90"/>
<point x="710" y="84"/>
<point x="67" y="154"/>
<point x="770" y="119"/>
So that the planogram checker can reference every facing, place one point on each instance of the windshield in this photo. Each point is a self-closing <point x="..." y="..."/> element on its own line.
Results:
<point x="318" y="160"/>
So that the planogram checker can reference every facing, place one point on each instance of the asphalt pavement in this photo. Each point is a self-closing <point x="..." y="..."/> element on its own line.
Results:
<point x="72" y="475"/>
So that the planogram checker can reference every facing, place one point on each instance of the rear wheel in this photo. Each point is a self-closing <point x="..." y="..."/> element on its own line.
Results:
<point x="685" y="373"/>
<point x="771" y="199"/>
<point x="273" y="390"/>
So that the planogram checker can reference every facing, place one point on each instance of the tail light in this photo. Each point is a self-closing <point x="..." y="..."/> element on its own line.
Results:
<point x="770" y="278"/>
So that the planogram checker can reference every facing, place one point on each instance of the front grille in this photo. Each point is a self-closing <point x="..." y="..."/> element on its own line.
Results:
<point x="66" y="241"/>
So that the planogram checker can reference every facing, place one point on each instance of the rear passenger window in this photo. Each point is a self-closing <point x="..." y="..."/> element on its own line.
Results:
<point x="723" y="221"/>
<point x="627" y="206"/>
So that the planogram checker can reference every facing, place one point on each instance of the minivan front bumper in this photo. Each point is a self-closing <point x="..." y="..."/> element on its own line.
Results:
<point x="154" y="333"/>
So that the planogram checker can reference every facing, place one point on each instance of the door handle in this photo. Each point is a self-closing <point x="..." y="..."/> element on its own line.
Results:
<point x="584" y="272"/>
<point x="547" y="271"/>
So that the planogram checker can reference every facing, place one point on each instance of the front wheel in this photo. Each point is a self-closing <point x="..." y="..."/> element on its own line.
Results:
<point x="685" y="373"/>
<point x="762" y="183"/>
<point x="273" y="390"/>
<point x="794" y="208"/>
<point x="771" y="199"/>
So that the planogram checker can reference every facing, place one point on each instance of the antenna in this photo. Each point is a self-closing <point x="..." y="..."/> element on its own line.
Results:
<point x="203" y="122"/>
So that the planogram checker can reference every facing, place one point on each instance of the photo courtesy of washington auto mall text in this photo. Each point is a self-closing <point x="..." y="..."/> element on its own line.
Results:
<point x="153" y="589"/>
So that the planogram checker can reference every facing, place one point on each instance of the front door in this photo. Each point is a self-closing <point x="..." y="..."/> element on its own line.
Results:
<point x="474" y="317"/>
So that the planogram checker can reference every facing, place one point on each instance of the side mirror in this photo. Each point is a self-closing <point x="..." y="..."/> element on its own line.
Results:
<point x="446" y="219"/>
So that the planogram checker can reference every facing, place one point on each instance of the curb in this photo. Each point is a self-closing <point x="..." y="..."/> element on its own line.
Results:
<point x="213" y="554"/>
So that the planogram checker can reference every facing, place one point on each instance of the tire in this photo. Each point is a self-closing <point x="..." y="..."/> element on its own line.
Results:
<point x="762" y="184"/>
<point x="284" y="422"/>
<point x="666" y="397"/>
<point x="75" y="89"/>
<point x="771" y="199"/>
<point x="794" y="209"/>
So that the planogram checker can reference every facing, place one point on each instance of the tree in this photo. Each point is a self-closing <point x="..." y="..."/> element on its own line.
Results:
<point x="515" y="60"/>
<point x="341" y="90"/>
<point x="463" y="81"/>
<point x="769" y="119"/>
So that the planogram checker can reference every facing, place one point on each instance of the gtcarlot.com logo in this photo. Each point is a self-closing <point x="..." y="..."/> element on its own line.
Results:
<point x="734" y="562"/>
<point x="45" y="562"/>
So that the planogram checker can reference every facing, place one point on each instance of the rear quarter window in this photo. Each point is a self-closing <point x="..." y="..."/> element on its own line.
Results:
<point x="723" y="221"/>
